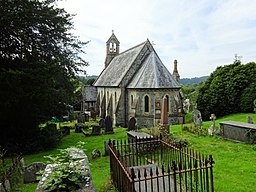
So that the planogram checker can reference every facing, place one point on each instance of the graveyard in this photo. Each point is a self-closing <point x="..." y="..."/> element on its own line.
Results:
<point x="234" y="166"/>
<point x="135" y="126"/>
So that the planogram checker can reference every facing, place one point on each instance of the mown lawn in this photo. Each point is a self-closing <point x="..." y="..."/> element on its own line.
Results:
<point x="234" y="169"/>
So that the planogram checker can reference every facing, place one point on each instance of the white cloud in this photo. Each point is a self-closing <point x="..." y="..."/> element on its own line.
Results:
<point x="201" y="35"/>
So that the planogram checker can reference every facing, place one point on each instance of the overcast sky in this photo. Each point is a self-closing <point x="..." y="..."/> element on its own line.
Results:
<point x="200" y="34"/>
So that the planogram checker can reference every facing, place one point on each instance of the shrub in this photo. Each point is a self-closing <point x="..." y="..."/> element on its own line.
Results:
<point x="67" y="174"/>
<point x="49" y="136"/>
<point x="188" y="118"/>
<point x="198" y="130"/>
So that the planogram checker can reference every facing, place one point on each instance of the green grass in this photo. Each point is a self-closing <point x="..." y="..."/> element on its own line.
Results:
<point x="234" y="169"/>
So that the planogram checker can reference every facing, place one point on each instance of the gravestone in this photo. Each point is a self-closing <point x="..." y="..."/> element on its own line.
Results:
<point x="65" y="130"/>
<point x="197" y="118"/>
<point x="237" y="131"/>
<point x="102" y="123"/>
<point x="212" y="130"/>
<point x="81" y="118"/>
<point x="79" y="127"/>
<point x="96" y="153"/>
<point x="249" y="120"/>
<point x="77" y="155"/>
<point x="96" y="130"/>
<point x="186" y="105"/>
<point x="30" y="172"/>
<point x="86" y="117"/>
<point x="108" y="125"/>
<point x="132" y="124"/>
<point x="164" y="120"/>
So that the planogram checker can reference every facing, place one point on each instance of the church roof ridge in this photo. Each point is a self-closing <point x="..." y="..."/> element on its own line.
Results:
<point x="133" y="47"/>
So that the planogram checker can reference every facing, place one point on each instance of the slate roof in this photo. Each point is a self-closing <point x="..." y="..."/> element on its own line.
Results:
<point x="118" y="67"/>
<point x="151" y="74"/>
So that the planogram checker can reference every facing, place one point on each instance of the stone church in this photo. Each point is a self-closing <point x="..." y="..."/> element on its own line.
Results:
<point x="133" y="84"/>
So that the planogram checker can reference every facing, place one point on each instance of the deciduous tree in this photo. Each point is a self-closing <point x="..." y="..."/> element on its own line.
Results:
<point x="39" y="58"/>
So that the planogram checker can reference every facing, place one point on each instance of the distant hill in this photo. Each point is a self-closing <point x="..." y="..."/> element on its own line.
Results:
<point x="87" y="79"/>
<point x="194" y="80"/>
<point x="183" y="81"/>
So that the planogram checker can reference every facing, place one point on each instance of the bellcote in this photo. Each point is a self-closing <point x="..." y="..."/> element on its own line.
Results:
<point x="112" y="48"/>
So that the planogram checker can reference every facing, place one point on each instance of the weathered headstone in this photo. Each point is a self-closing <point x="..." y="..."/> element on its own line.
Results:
<point x="132" y="124"/>
<point x="30" y="172"/>
<point x="108" y="125"/>
<point x="186" y="105"/>
<point x="81" y="118"/>
<point x="102" y="123"/>
<point x="65" y="130"/>
<point x="79" y="127"/>
<point x="164" y="119"/>
<point x="78" y="155"/>
<point x="197" y="118"/>
<point x="96" y="153"/>
<point x="96" y="130"/>
<point x="249" y="120"/>
<point x="86" y="117"/>
<point x="212" y="130"/>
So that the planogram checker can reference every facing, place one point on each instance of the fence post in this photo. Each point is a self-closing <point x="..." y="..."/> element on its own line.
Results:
<point x="137" y="155"/>
<point x="211" y="162"/>
<point x="133" y="176"/>
<point x="174" y="168"/>
<point x="163" y="177"/>
<point x="206" y="173"/>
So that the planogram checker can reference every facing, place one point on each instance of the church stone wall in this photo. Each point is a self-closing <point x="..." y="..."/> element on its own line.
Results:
<point x="136" y="107"/>
<point x="112" y="96"/>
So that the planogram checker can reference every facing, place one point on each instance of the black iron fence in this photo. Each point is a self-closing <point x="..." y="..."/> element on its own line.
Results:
<point x="157" y="166"/>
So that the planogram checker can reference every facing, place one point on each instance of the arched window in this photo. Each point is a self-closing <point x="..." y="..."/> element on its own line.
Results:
<point x="146" y="103"/>
<point x="167" y="101"/>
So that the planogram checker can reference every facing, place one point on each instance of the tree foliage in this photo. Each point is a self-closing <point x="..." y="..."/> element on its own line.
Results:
<point x="224" y="91"/>
<point x="39" y="58"/>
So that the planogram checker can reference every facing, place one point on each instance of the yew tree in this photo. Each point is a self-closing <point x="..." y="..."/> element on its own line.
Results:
<point x="39" y="60"/>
